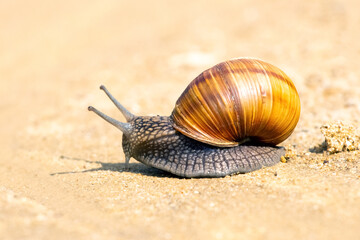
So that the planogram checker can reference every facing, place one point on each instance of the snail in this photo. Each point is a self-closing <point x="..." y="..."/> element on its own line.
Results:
<point x="227" y="121"/>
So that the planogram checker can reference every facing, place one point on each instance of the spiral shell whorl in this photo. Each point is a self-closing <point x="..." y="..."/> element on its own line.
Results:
<point x="238" y="99"/>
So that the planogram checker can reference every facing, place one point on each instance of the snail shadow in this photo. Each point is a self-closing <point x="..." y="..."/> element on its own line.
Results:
<point x="320" y="148"/>
<point x="138" y="168"/>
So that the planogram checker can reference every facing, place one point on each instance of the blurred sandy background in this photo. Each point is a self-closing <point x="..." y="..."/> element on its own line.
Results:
<point x="61" y="169"/>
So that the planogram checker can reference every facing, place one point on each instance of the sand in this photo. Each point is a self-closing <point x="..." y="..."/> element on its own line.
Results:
<point x="62" y="168"/>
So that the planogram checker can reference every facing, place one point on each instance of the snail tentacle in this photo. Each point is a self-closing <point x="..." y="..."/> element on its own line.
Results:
<point x="127" y="160"/>
<point x="126" y="128"/>
<point x="127" y="114"/>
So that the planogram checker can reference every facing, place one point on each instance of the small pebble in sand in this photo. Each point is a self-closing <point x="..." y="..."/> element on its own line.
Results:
<point x="340" y="137"/>
<point x="291" y="152"/>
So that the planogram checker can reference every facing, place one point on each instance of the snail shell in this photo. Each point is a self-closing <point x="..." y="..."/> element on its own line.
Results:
<point x="237" y="100"/>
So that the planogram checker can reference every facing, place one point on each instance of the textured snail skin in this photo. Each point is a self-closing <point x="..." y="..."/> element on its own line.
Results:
<point x="153" y="141"/>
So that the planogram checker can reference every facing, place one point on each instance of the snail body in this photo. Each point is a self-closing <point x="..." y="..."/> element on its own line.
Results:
<point x="228" y="120"/>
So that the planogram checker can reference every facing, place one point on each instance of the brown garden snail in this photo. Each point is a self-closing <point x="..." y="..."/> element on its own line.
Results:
<point x="228" y="120"/>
